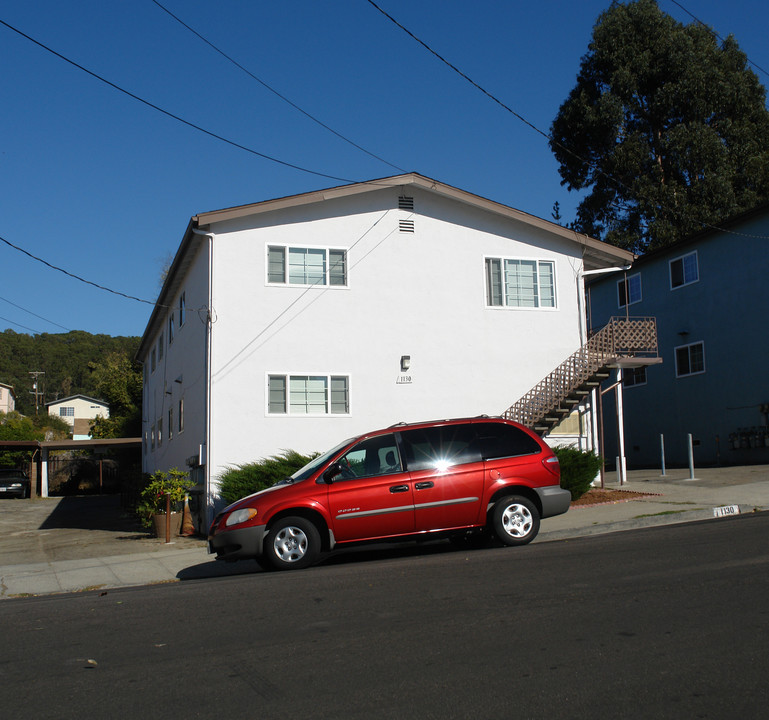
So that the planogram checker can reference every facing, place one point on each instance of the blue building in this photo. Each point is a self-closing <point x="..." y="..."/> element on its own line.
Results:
<point x="709" y="295"/>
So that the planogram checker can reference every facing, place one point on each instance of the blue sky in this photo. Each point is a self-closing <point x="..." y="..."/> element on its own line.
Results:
<point x="103" y="186"/>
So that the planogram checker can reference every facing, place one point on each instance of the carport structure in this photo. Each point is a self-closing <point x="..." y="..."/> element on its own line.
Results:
<point x="44" y="448"/>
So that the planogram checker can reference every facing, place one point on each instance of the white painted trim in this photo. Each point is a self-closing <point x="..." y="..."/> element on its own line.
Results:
<point x="670" y="270"/>
<point x="688" y="345"/>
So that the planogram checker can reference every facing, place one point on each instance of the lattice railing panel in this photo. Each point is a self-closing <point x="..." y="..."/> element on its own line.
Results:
<point x="621" y="337"/>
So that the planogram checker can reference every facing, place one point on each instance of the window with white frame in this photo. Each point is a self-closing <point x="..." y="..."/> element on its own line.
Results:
<point x="153" y="360"/>
<point x="182" y="308"/>
<point x="520" y="283"/>
<point x="181" y="415"/>
<point x="160" y="432"/>
<point x="161" y="345"/>
<point x="306" y="266"/>
<point x="308" y="395"/>
<point x="170" y="328"/>
<point x="66" y="411"/>
<point x="690" y="359"/>
<point x="684" y="270"/>
<point x="629" y="290"/>
<point x="634" y="376"/>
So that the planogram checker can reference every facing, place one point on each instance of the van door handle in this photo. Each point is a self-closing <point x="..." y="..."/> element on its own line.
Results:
<point x="424" y="485"/>
<point x="399" y="488"/>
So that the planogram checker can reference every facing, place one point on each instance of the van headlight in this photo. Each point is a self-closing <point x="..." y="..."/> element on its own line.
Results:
<point x="240" y="516"/>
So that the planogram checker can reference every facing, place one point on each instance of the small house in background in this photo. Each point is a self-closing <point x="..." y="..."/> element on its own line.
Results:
<point x="7" y="398"/>
<point x="297" y="322"/>
<point x="79" y="411"/>
<point x="708" y="293"/>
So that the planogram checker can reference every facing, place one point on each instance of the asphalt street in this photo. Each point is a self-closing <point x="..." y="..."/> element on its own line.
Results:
<point x="663" y="622"/>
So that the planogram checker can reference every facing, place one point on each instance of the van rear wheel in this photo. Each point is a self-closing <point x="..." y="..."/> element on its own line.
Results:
<point x="515" y="520"/>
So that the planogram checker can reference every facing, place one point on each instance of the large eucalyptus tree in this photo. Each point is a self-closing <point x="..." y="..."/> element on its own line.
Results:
<point x="667" y="128"/>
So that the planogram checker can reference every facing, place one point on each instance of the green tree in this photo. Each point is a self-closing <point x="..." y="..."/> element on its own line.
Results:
<point x="14" y="426"/>
<point x="666" y="127"/>
<point x="118" y="381"/>
<point x="63" y="357"/>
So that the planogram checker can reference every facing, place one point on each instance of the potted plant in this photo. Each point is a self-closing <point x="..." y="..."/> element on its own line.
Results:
<point x="165" y="488"/>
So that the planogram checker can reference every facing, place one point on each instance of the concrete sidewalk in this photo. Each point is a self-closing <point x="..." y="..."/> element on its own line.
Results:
<point x="57" y="545"/>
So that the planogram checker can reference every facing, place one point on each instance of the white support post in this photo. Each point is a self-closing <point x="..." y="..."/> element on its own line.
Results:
<point x="44" y="472"/>
<point x="691" y="458"/>
<point x="622" y="465"/>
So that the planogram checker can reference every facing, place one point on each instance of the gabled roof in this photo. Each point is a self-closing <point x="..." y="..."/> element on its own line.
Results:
<point x="596" y="254"/>
<point x="594" y="250"/>
<point x="77" y="397"/>
<point x="725" y="228"/>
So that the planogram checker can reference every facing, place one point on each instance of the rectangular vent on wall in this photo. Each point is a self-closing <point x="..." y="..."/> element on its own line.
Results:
<point x="406" y="226"/>
<point x="405" y="203"/>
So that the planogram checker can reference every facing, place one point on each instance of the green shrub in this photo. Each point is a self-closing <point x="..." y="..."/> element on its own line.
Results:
<point x="241" y="480"/>
<point x="578" y="469"/>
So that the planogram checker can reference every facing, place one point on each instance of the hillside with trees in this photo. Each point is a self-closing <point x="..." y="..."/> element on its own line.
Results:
<point x="76" y="362"/>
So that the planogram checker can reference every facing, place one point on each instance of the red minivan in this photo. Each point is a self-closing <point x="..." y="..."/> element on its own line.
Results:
<point x="445" y="478"/>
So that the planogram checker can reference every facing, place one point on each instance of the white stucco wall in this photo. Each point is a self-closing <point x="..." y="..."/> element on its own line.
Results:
<point x="83" y="408"/>
<point x="7" y="399"/>
<point x="179" y="376"/>
<point x="420" y="294"/>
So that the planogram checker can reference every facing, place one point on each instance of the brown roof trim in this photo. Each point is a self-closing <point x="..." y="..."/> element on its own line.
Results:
<point x="595" y="253"/>
<point x="595" y="248"/>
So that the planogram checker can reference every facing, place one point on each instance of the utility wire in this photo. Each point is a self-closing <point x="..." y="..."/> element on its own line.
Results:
<point x="35" y="314"/>
<point x="547" y="136"/>
<point x="712" y="30"/>
<point x="273" y="90"/>
<point x="36" y="332"/>
<point x="170" y="114"/>
<point x="72" y="275"/>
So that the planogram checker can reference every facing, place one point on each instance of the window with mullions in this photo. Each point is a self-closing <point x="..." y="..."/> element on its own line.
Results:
<point x="306" y="266"/>
<point x="690" y="359"/>
<point x="520" y="283"/>
<point x="629" y="290"/>
<point x="634" y="376"/>
<point x="308" y="395"/>
<point x="684" y="270"/>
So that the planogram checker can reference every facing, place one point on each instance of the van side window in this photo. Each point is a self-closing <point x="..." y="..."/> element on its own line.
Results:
<point x="375" y="456"/>
<point x="499" y="441"/>
<point x="436" y="447"/>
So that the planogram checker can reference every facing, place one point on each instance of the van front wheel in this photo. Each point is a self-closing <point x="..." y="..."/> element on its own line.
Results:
<point x="292" y="543"/>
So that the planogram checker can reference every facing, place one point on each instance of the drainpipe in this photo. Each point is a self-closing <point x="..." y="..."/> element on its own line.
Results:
<point x="207" y="413"/>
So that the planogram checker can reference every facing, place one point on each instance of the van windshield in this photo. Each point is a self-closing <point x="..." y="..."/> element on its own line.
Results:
<point x="305" y="472"/>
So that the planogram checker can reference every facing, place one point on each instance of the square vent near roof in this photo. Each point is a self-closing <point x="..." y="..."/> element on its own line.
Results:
<point x="406" y="226"/>
<point x="405" y="202"/>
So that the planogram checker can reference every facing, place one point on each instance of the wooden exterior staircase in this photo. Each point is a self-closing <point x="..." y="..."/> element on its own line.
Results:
<point x="623" y="341"/>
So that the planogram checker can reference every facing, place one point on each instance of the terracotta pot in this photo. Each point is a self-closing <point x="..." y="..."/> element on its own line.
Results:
<point x="159" y="523"/>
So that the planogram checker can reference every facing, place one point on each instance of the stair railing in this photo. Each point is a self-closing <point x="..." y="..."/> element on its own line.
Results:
<point x="621" y="337"/>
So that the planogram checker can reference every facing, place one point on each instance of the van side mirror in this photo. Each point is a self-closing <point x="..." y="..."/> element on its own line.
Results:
<point x="332" y="471"/>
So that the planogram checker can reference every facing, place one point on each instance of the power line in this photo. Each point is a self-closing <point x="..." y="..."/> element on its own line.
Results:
<point x="617" y="183"/>
<point x="712" y="30"/>
<point x="35" y="314"/>
<point x="172" y="115"/>
<point x="72" y="275"/>
<point x="273" y="90"/>
<point x="36" y="332"/>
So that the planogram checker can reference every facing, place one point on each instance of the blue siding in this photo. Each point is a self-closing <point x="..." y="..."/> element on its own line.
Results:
<point x="727" y="310"/>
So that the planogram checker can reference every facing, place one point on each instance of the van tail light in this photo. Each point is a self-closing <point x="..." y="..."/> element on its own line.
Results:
<point x="552" y="466"/>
